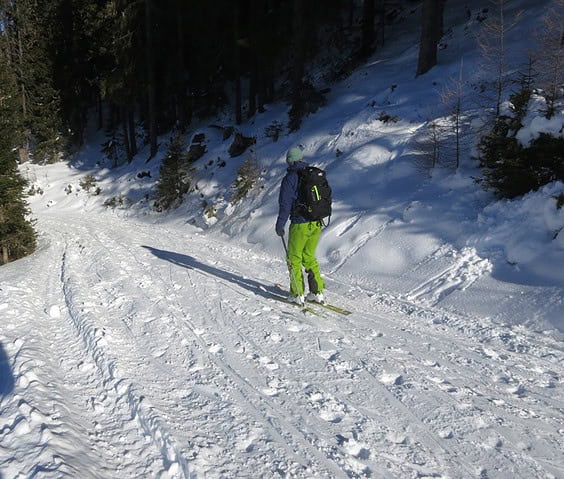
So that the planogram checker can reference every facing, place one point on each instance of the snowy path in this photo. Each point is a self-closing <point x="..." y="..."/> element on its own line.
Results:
<point x="157" y="354"/>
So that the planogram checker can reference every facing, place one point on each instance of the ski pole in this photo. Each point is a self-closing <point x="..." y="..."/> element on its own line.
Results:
<point x="289" y="264"/>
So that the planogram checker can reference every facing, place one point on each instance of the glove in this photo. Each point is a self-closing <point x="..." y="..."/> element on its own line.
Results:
<point x="279" y="230"/>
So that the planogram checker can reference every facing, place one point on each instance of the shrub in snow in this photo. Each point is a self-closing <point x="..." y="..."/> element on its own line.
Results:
<point x="210" y="210"/>
<point x="88" y="184"/>
<point x="115" y="202"/>
<point x="525" y="149"/>
<point x="247" y="176"/>
<point x="274" y="130"/>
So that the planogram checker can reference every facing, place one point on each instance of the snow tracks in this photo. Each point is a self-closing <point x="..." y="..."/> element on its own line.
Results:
<point x="130" y="354"/>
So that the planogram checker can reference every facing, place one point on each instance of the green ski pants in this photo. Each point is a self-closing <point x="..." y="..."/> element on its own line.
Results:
<point x="302" y="243"/>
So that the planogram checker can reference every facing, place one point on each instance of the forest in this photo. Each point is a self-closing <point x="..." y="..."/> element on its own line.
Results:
<point x="164" y="63"/>
<point x="142" y="68"/>
<point x="159" y="65"/>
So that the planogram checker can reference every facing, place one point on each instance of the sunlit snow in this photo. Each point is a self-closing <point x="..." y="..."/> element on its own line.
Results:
<point x="137" y="344"/>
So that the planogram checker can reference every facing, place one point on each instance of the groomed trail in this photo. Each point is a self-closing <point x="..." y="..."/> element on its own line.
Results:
<point x="139" y="350"/>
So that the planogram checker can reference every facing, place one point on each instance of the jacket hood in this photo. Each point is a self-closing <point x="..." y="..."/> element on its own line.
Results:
<point x="298" y="165"/>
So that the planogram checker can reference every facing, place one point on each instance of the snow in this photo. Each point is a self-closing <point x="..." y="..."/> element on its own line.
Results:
<point x="142" y="344"/>
<point x="536" y="123"/>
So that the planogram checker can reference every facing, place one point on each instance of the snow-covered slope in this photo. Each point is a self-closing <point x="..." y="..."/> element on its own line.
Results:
<point x="143" y="352"/>
<point x="141" y="344"/>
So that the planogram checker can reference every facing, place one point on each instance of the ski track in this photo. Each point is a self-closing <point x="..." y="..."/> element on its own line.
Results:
<point x="465" y="268"/>
<point x="72" y="385"/>
<point x="178" y="365"/>
<point x="362" y="240"/>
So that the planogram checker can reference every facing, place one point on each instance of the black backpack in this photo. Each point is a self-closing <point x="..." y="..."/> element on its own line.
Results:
<point x="314" y="194"/>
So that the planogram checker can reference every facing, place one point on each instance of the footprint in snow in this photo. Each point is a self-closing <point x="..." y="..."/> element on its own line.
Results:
<point x="391" y="379"/>
<point x="329" y="354"/>
<point x="269" y="363"/>
<point x="357" y="452"/>
<point x="27" y="378"/>
<point x="328" y="408"/>
<point x="295" y="328"/>
<point x="276" y="338"/>
<point x="446" y="434"/>
<point x="274" y="386"/>
<point x="215" y="349"/>
<point x="356" y="449"/>
<point x="518" y="390"/>
<point x="159" y="353"/>
<point x="396" y="437"/>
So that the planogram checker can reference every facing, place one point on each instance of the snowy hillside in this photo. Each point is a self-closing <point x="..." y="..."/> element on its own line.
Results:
<point x="145" y="344"/>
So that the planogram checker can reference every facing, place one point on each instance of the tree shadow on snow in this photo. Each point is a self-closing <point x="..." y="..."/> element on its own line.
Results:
<point x="189" y="262"/>
<point x="6" y="377"/>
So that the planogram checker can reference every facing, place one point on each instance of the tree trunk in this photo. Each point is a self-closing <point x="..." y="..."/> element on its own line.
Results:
<point x="131" y="130"/>
<point x="299" y="52"/>
<point x="261" y="90"/>
<point x="237" y="65"/>
<point x="368" y="12"/>
<point x="430" y="34"/>
<point x="23" y="151"/>
<point x="442" y="4"/>
<point x="269" y="87"/>
<point x="253" y="88"/>
<point x="262" y="62"/>
<point x="5" y="256"/>
<point x="100" y="108"/>
<point x="350" y="15"/>
<point x="381" y="15"/>
<point x="123" y="114"/>
<point x="151" y="97"/>
<point x="182" y="113"/>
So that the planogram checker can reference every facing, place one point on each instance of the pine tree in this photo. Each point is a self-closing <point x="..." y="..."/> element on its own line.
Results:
<point x="17" y="237"/>
<point x="120" y="82"/>
<point x="174" y="181"/>
<point x="511" y="169"/>
<point x="29" y="32"/>
<point x="81" y="58"/>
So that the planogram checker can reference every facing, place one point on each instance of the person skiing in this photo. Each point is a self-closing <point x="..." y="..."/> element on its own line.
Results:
<point x="302" y="238"/>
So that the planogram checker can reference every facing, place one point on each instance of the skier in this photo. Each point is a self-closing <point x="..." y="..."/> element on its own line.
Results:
<point x="303" y="235"/>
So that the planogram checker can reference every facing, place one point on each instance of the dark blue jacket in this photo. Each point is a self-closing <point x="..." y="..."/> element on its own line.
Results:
<point x="287" y="196"/>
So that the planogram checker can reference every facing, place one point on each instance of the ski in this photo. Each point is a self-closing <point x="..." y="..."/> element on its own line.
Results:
<point x="333" y="308"/>
<point x="304" y="308"/>
<point x="309" y="306"/>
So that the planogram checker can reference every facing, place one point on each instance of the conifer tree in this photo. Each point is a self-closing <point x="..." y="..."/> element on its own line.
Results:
<point x="81" y="58"/>
<point x="174" y="181"/>
<point x="17" y="237"/>
<point x="29" y="32"/>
